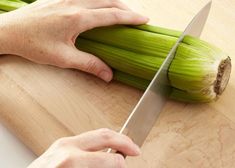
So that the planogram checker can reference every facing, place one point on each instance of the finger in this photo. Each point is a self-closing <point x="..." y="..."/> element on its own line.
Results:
<point x="110" y="16"/>
<point x="105" y="138"/>
<point x="106" y="4"/>
<point x="103" y="160"/>
<point x="86" y="62"/>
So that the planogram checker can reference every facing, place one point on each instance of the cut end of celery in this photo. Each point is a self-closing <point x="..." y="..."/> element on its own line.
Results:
<point x="224" y="71"/>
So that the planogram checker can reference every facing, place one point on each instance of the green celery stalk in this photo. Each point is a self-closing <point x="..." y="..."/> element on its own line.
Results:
<point x="9" y="5"/>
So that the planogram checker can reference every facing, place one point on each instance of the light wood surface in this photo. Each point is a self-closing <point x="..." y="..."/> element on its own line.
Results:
<point x="42" y="103"/>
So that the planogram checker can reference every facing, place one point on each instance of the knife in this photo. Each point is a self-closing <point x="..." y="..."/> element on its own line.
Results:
<point x="145" y="114"/>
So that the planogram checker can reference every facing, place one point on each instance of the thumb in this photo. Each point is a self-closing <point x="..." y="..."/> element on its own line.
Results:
<point x="88" y="63"/>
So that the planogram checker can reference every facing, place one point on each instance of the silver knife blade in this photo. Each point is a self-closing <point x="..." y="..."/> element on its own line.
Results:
<point x="144" y="115"/>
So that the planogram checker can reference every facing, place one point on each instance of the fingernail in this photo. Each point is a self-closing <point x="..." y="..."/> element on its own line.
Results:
<point x="137" y="149"/>
<point x="145" y="19"/>
<point x="105" y="76"/>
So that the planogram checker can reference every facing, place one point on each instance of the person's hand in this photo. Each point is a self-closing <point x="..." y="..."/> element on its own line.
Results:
<point x="45" y="31"/>
<point x="84" y="151"/>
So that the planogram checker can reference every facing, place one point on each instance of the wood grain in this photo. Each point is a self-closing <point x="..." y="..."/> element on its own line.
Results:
<point x="42" y="103"/>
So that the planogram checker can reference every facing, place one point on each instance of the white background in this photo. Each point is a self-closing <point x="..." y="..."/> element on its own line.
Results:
<point x="13" y="154"/>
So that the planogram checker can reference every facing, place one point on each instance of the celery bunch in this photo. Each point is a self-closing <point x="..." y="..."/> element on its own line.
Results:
<point x="198" y="73"/>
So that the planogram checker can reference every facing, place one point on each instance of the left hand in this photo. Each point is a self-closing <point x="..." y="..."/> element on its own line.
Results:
<point x="45" y="31"/>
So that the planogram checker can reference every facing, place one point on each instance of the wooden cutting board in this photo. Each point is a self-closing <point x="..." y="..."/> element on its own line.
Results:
<point x="42" y="103"/>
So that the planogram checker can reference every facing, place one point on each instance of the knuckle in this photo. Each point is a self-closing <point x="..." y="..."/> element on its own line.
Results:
<point x="114" y="3"/>
<point x="127" y="139"/>
<point x="74" y="16"/>
<point x="77" y="15"/>
<point x="116" y="14"/>
<point x="119" y="161"/>
<point x="106" y="133"/>
<point x="91" y="65"/>
<point x="61" y="142"/>
<point x="67" y="159"/>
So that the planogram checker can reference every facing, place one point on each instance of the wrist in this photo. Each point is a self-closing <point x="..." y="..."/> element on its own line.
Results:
<point x="7" y="28"/>
<point x="3" y="35"/>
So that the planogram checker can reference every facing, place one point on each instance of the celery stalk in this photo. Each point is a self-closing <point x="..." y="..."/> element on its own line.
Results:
<point x="9" y="5"/>
<point x="137" y="53"/>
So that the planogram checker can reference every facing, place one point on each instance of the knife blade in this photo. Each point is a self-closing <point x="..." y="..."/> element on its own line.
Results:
<point x="144" y="115"/>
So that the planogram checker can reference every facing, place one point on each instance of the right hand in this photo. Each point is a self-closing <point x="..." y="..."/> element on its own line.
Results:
<point x="84" y="151"/>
